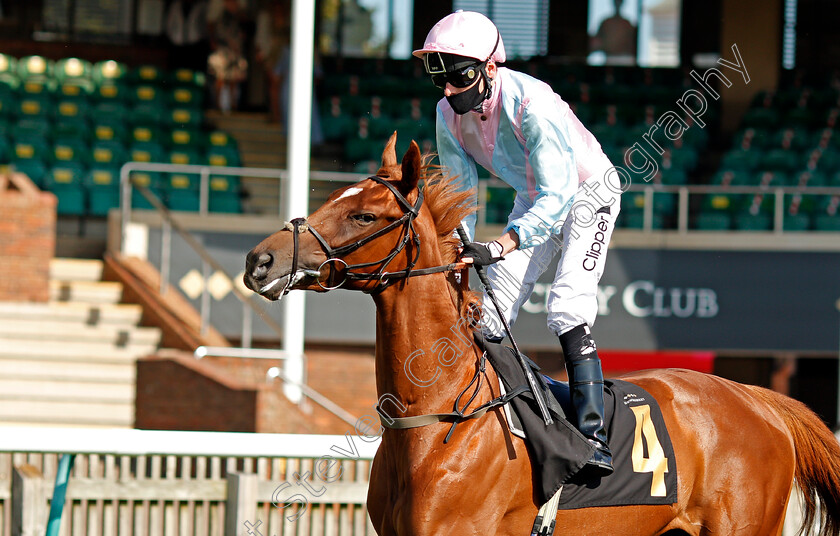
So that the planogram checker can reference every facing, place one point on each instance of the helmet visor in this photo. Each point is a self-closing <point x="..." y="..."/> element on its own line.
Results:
<point x="460" y="71"/>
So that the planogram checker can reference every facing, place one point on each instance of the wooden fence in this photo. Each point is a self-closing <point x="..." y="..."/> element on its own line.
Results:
<point x="134" y="482"/>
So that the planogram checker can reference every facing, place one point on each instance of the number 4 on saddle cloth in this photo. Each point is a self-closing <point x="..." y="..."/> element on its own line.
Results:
<point x="643" y="456"/>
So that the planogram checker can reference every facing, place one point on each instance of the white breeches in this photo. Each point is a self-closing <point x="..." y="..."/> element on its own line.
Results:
<point x="572" y="301"/>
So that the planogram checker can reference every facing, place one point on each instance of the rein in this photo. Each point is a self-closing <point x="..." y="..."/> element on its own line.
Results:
<point x="408" y="234"/>
<point x="457" y="415"/>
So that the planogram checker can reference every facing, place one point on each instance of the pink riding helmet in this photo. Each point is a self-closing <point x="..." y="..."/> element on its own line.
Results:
<point x="465" y="33"/>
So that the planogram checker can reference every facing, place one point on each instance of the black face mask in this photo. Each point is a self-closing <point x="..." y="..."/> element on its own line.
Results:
<point x="467" y="100"/>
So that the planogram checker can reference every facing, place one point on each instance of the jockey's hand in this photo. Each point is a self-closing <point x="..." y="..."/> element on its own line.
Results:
<point x="481" y="253"/>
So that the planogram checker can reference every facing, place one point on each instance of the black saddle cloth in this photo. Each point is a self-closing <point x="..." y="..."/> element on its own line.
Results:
<point x="643" y="455"/>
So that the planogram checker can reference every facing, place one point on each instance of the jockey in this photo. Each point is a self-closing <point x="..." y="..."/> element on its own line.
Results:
<point x="567" y="197"/>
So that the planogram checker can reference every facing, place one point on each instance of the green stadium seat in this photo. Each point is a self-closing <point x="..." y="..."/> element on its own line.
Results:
<point x="38" y="86"/>
<point x="713" y="221"/>
<point x="187" y="77"/>
<point x="33" y="168"/>
<point x="35" y="105"/>
<point x="102" y="199"/>
<point x="223" y="156"/>
<point x="673" y="177"/>
<point x="224" y="184"/>
<point x="337" y="127"/>
<point x="145" y="134"/>
<point x="721" y="203"/>
<point x="71" y="150"/>
<point x="71" y="109"/>
<point x="225" y="202"/>
<point x="65" y="181"/>
<point x="761" y="118"/>
<point x="32" y="128"/>
<point x="34" y="148"/>
<point x="146" y="74"/>
<point x="109" y="130"/>
<point x="185" y="97"/>
<point x="797" y="222"/>
<point x="148" y="94"/>
<point x="220" y="138"/>
<point x="146" y="115"/>
<point x="147" y="152"/>
<point x="76" y="89"/>
<point x="781" y="160"/>
<point x="791" y="138"/>
<point x="770" y="179"/>
<point x="108" y="71"/>
<point x="182" y="181"/>
<point x="183" y="200"/>
<point x="108" y="153"/>
<point x="732" y="177"/>
<point x="112" y="91"/>
<point x="73" y="69"/>
<point x="8" y="65"/>
<point x="738" y="159"/>
<point x="825" y="222"/>
<point x="151" y="180"/>
<point x="801" y="117"/>
<point x="102" y="177"/>
<point x="184" y="117"/>
<point x="828" y="160"/>
<point x="72" y="128"/>
<point x="807" y="178"/>
<point x="753" y="222"/>
<point x="185" y="156"/>
<point x="74" y="77"/>
<point x="8" y="101"/>
<point x="636" y="219"/>
<point x="752" y="138"/>
<point x="35" y="66"/>
<point x="185" y="137"/>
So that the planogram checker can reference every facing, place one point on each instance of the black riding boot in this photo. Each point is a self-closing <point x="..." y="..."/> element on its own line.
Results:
<point x="586" y="383"/>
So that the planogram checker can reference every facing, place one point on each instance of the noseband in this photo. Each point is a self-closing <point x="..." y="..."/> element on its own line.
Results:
<point x="299" y="225"/>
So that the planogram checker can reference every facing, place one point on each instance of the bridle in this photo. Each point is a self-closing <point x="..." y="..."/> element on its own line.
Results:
<point x="299" y="226"/>
<point x="334" y="255"/>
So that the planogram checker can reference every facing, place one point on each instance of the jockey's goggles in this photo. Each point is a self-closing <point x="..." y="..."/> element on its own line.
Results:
<point x="451" y="69"/>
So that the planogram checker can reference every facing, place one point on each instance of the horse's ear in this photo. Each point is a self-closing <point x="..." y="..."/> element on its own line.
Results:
<point x="389" y="155"/>
<point x="411" y="168"/>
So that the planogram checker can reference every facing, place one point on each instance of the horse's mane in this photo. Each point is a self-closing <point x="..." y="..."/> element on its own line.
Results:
<point x="449" y="205"/>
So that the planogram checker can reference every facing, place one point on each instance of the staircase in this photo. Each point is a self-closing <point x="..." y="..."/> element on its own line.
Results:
<point x="71" y="361"/>
<point x="262" y="144"/>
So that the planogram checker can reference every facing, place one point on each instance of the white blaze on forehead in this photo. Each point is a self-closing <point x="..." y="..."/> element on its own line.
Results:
<point x="347" y="193"/>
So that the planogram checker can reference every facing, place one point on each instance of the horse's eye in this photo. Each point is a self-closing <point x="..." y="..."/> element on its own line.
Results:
<point x="366" y="217"/>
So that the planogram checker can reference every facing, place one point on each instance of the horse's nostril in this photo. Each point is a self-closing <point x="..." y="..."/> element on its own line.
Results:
<point x="262" y="264"/>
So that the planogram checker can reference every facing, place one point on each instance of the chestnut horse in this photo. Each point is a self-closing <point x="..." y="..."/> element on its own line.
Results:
<point x="739" y="449"/>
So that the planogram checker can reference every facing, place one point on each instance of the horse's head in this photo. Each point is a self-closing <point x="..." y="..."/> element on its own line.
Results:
<point x="361" y="232"/>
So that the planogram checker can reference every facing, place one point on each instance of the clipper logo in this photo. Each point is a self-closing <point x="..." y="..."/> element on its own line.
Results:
<point x="596" y="249"/>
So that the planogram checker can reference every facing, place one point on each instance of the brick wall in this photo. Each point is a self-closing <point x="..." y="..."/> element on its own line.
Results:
<point x="177" y="392"/>
<point x="27" y="239"/>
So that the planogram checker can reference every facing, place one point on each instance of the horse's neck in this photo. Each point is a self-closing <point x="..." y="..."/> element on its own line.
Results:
<point x="424" y="350"/>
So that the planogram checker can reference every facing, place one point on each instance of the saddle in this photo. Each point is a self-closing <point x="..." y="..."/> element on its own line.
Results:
<point x="645" y="465"/>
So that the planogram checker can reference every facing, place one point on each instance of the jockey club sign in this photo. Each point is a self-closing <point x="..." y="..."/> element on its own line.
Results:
<point x="648" y="299"/>
<point x="641" y="299"/>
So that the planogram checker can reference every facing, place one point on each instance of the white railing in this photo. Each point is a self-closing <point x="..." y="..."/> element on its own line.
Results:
<point x="143" y="482"/>
<point x="684" y="193"/>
